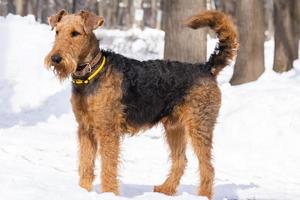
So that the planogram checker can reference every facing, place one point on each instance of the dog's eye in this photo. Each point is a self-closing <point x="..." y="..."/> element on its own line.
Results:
<point x="74" y="33"/>
<point x="56" y="32"/>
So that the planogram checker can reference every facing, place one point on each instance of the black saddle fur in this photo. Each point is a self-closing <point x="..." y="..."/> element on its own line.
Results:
<point x="151" y="88"/>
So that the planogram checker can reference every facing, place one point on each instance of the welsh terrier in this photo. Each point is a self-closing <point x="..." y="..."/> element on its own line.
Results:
<point x="113" y="95"/>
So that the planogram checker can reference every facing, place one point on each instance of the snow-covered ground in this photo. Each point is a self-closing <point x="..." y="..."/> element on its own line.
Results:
<point x="256" y="143"/>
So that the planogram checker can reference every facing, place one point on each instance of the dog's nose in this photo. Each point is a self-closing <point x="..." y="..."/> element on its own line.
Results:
<point x="56" y="58"/>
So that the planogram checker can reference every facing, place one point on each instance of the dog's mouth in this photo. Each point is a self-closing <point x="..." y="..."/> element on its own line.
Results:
<point x="53" y="69"/>
<point x="62" y="69"/>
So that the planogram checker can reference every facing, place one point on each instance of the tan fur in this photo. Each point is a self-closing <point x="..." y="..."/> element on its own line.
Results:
<point x="227" y="34"/>
<point x="199" y="114"/>
<point x="101" y="119"/>
<point x="176" y="139"/>
<point x="83" y="49"/>
<point x="194" y="118"/>
<point x="102" y="113"/>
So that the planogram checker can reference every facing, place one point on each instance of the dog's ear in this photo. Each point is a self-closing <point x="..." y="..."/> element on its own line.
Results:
<point x="54" y="19"/>
<point x="91" y="21"/>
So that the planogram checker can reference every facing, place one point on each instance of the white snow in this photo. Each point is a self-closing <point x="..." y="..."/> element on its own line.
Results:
<point x="256" y="143"/>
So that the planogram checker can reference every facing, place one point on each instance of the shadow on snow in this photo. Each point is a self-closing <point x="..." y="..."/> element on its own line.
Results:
<point x="228" y="191"/>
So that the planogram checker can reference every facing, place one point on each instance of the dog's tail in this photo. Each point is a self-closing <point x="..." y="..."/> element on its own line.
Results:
<point x="227" y="33"/>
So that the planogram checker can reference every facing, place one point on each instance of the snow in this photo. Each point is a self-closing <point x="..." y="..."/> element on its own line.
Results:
<point x="256" y="151"/>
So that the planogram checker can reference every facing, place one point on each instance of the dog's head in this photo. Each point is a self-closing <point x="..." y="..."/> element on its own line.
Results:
<point x="75" y="42"/>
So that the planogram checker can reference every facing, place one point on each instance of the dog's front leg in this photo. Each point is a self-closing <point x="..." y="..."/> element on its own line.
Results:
<point x="109" y="152"/>
<point x="87" y="155"/>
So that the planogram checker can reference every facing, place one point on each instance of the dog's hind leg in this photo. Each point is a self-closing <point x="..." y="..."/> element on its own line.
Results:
<point x="202" y="144"/>
<point x="176" y="139"/>
<point x="87" y="155"/>
<point x="200" y="117"/>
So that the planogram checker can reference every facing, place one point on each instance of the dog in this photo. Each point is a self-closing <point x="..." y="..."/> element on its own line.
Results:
<point x="113" y="95"/>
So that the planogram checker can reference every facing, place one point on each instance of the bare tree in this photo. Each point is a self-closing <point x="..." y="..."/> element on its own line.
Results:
<point x="250" y="60"/>
<point x="3" y="7"/>
<point x="150" y="10"/>
<point x="19" y="6"/>
<point x="181" y="43"/>
<point x="45" y="11"/>
<point x="296" y="26"/>
<point x="118" y="13"/>
<point x="90" y="5"/>
<point x="123" y="17"/>
<point x="227" y="6"/>
<point x="286" y="37"/>
<point x="269" y="22"/>
<point x="11" y="8"/>
<point x="109" y="9"/>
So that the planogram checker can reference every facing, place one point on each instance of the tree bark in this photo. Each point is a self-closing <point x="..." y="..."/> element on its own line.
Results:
<point x="269" y="19"/>
<point x="286" y="48"/>
<point x="181" y="43"/>
<point x="19" y="6"/>
<point x="250" y="60"/>
<point x="3" y="8"/>
<point x="25" y="7"/>
<point x="11" y="8"/>
<point x="90" y="5"/>
<point x="45" y="11"/>
<point x="228" y="6"/>
<point x="296" y="26"/>
<point x="109" y="10"/>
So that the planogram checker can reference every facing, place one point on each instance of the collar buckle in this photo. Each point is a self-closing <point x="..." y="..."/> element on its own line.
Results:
<point x="86" y="81"/>
<point x="89" y="68"/>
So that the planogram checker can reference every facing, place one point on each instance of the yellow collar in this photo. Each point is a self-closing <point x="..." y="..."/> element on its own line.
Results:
<point x="86" y="81"/>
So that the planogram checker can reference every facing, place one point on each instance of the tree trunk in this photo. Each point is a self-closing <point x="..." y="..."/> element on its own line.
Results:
<point x="130" y="11"/>
<point x="285" y="49"/>
<point x="250" y="60"/>
<point x="19" y="6"/>
<point x="45" y="11"/>
<point x="109" y="10"/>
<point x="90" y="5"/>
<point x="3" y="8"/>
<point x="182" y="43"/>
<point x="269" y="19"/>
<point x="11" y="8"/>
<point x="228" y="6"/>
<point x="73" y="6"/>
<point x="25" y="8"/>
<point x="296" y="26"/>
<point x="153" y="13"/>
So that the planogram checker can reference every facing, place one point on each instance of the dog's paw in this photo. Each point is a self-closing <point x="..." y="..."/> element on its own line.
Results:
<point x="86" y="184"/>
<point x="165" y="190"/>
<point x="114" y="190"/>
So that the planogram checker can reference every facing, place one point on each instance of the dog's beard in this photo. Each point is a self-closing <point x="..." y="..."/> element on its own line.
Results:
<point x="64" y="68"/>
